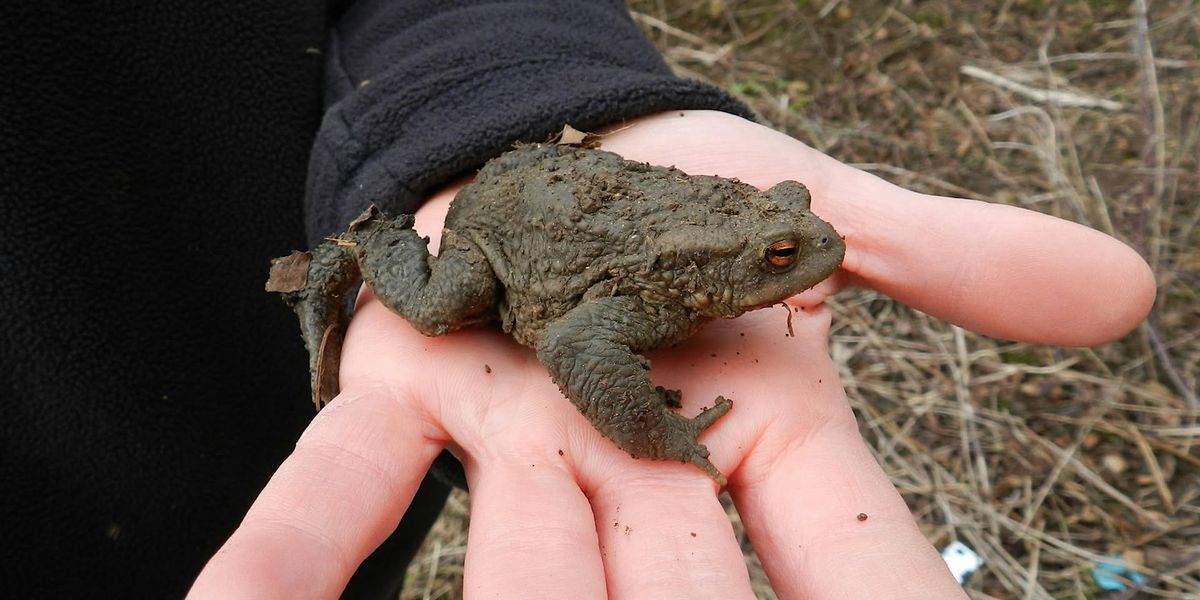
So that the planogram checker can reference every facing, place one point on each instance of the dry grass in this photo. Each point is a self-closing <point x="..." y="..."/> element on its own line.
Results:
<point x="1041" y="459"/>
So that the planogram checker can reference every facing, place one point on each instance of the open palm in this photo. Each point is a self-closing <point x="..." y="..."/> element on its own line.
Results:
<point x="558" y="511"/>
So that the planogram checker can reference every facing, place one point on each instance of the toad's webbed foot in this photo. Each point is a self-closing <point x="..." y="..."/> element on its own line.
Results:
<point x="682" y="433"/>
<point x="590" y="353"/>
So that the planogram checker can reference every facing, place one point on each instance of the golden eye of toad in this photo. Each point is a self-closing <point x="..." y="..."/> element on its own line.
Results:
<point x="782" y="253"/>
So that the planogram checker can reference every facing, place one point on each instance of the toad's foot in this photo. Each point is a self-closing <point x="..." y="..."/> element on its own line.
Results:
<point x="590" y="353"/>
<point x="681" y="433"/>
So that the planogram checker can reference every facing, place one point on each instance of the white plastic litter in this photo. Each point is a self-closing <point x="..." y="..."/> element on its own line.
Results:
<point x="962" y="560"/>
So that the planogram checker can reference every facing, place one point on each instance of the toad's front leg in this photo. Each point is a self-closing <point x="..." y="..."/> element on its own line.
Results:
<point x="591" y="354"/>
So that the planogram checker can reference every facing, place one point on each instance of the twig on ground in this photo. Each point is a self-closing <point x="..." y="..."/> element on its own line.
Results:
<point x="1168" y="365"/>
<point x="1154" y="153"/>
<point x="1055" y="97"/>
<point x="664" y="27"/>
<point x="1161" y="63"/>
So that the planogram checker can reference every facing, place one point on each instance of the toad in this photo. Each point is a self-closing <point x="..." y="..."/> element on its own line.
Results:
<point x="585" y="257"/>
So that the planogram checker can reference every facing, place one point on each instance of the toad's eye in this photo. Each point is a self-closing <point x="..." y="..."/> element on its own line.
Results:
<point x="781" y="254"/>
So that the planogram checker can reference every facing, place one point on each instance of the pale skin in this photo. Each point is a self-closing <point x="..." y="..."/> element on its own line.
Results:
<point x="591" y="522"/>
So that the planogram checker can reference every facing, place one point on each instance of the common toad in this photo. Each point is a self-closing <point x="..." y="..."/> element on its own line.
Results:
<point x="589" y="259"/>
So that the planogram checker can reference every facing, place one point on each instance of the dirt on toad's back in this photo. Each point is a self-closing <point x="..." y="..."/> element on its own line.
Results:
<point x="556" y="222"/>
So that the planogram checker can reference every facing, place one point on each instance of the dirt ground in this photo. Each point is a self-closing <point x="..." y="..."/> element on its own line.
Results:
<point x="1043" y="460"/>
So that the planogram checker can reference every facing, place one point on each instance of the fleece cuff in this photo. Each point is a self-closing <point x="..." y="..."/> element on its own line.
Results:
<point x="420" y="93"/>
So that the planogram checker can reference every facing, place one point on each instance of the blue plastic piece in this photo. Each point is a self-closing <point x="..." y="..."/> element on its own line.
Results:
<point x="1103" y="574"/>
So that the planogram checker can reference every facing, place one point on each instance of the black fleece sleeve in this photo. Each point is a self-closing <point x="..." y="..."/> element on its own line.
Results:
<point x="420" y="92"/>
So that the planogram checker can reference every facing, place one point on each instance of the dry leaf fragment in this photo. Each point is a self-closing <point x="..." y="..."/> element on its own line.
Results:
<point x="289" y="273"/>
<point x="569" y="136"/>
<point x="325" y="380"/>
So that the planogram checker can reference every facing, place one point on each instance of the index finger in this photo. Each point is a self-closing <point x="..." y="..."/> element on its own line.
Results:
<point x="331" y="503"/>
<point x="995" y="269"/>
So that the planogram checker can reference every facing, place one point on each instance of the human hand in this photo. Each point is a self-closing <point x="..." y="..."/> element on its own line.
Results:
<point x="558" y="511"/>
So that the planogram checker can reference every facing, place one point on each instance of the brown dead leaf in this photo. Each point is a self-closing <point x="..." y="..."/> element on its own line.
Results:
<point x="325" y="379"/>
<point x="289" y="273"/>
<point x="569" y="136"/>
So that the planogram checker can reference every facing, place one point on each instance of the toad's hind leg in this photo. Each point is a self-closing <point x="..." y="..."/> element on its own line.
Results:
<point x="590" y="353"/>
<point x="436" y="294"/>
<point x="315" y="285"/>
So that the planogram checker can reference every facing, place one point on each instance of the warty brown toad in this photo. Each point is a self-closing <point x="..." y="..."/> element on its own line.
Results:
<point x="585" y="257"/>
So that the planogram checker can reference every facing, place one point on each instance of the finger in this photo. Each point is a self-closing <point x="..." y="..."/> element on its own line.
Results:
<point x="996" y="269"/>
<point x="330" y="504"/>
<point x="665" y="535"/>
<point x="531" y="534"/>
<point x="801" y="491"/>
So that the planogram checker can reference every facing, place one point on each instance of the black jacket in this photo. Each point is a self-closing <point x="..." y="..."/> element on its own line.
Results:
<point x="153" y="157"/>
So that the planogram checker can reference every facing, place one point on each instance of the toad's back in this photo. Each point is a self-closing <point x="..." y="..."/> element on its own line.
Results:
<point x="556" y="222"/>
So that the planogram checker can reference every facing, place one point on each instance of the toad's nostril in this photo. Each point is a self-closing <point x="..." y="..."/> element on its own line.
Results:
<point x="823" y="241"/>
